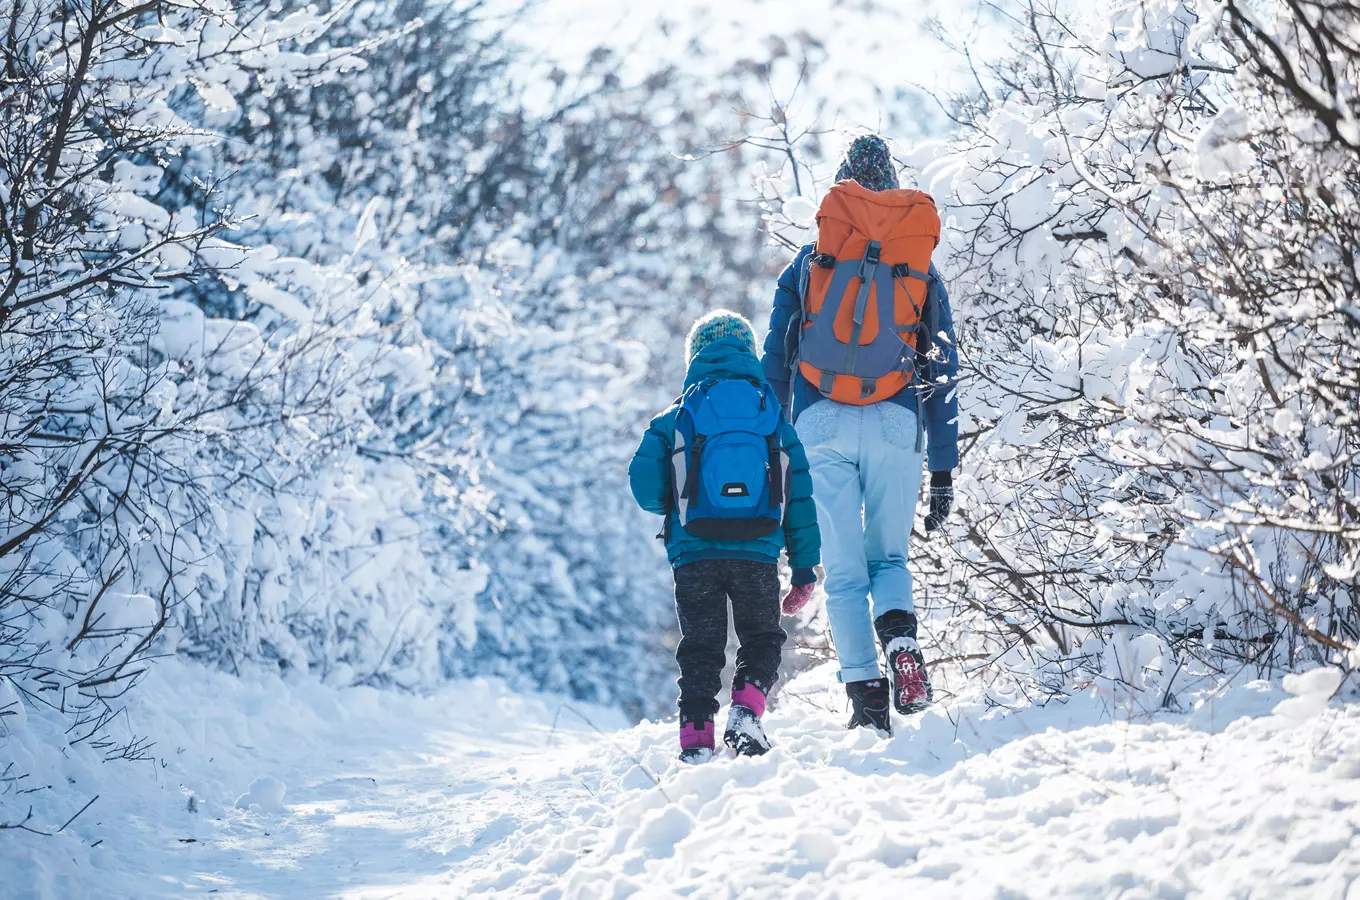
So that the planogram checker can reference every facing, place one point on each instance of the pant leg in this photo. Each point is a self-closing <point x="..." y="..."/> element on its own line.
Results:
<point x="701" y="607"/>
<point x="754" y="590"/>
<point x="892" y="483"/>
<point x="830" y="433"/>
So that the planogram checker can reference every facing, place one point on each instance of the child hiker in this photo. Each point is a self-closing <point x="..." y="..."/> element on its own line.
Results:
<point x="727" y="471"/>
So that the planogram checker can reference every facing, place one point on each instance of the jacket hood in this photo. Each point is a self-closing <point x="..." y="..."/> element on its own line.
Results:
<point x="724" y="358"/>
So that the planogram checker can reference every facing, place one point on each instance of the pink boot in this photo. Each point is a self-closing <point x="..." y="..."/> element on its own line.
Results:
<point x="749" y="696"/>
<point x="696" y="741"/>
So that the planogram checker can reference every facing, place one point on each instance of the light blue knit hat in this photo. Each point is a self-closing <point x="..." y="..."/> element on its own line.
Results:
<point x="719" y="324"/>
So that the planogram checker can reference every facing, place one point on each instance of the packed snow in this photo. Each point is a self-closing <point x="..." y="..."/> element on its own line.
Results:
<point x="264" y="788"/>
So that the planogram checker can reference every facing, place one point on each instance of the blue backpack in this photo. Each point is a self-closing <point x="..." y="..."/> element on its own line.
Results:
<point x="729" y="468"/>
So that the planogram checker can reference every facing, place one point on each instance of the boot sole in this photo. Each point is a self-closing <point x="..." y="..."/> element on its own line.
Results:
<point x="744" y="746"/>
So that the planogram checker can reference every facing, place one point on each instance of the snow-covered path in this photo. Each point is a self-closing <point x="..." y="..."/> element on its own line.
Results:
<point x="475" y="792"/>
<point x="963" y="802"/>
<point x="392" y="802"/>
<point x="380" y="790"/>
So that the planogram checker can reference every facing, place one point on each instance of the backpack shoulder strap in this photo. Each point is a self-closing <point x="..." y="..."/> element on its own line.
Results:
<point x="929" y="324"/>
<point x="691" y="448"/>
<point x="769" y="397"/>
<point x="793" y="332"/>
<point x="694" y="395"/>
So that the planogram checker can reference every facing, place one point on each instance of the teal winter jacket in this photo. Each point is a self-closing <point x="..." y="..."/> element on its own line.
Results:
<point x="650" y="477"/>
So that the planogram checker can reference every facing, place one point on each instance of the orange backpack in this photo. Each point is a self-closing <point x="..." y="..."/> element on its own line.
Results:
<point x="864" y="291"/>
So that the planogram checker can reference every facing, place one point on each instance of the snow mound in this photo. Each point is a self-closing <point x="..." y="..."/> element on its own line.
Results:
<point x="1311" y="693"/>
<point x="265" y="794"/>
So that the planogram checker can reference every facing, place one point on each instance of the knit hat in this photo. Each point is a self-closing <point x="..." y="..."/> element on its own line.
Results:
<point x="719" y="324"/>
<point x="869" y="162"/>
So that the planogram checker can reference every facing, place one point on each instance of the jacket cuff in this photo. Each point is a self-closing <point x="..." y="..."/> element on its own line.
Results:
<point x="804" y="575"/>
<point x="942" y="458"/>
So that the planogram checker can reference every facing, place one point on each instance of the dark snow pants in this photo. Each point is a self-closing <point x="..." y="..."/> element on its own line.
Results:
<point x="702" y="590"/>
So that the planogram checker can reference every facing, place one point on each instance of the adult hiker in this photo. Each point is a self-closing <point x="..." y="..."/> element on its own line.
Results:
<point x="861" y="350"/>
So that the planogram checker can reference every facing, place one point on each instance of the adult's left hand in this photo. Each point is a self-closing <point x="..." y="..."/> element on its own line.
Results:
<point x="941" y="499"/>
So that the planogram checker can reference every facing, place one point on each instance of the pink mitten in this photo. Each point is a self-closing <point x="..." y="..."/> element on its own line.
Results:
<point x="797" y="598"/>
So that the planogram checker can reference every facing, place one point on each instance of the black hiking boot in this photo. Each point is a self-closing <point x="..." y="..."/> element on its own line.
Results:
<point x="696" y="755"/>
<point x="744" y="734"/>
<point x="911" y="690"/>
<point x="869" y="706"/>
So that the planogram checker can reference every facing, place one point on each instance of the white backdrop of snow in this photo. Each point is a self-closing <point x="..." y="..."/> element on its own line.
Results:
<point x="262" y="787"/>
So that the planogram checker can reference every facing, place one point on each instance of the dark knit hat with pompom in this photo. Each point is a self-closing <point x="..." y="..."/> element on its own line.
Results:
<point x="869" y="162"/>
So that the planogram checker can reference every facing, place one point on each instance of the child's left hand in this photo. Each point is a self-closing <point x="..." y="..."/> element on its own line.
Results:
<point x="797" y="597"/>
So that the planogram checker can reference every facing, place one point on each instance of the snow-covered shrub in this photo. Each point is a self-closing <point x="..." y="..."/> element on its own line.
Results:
<point x="348" y="548"/>
<point x="1151" y="219"/>
<point x="118" y="401"/>
<point x="326" y="334"/>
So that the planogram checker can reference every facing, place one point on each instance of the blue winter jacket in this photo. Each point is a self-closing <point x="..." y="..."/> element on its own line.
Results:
<point x="650" y="477"/>
<point x="937" y="405"/>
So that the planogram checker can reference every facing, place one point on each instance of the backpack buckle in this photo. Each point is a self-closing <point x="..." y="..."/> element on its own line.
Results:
<point x="869" y="263"/>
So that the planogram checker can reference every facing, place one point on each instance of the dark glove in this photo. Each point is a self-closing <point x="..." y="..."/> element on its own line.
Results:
<point x="941" y="499"/>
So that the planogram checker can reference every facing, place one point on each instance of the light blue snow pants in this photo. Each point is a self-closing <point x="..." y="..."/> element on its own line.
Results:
<point x="866" y="477"/>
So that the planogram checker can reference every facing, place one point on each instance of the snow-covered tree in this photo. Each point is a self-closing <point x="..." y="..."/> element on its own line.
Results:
<point x="128" y="417"/>
<point x="1151" y="222"/>
<point x="325" y="335"/>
